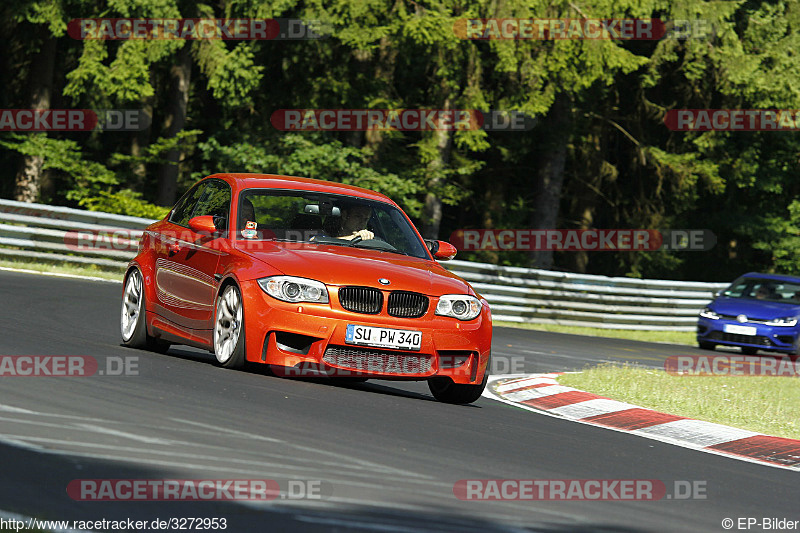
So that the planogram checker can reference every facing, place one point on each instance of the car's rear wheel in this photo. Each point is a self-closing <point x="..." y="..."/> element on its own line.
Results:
<point x="229" y="329"/>
<point x="444" y="390"/>
<point x="133" y="320"/>
<point x="705" y="345"/>
<point x="749" y="351"/>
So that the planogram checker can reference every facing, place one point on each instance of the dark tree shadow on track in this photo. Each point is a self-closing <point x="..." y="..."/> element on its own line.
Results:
<point x="35" y="484"/>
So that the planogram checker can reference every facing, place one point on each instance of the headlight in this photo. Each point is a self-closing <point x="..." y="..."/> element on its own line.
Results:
<point x="292" y="289"/>
<point x="787" y="321"/>
<point x="708" y="313"/>
<point x="458" y="306"/>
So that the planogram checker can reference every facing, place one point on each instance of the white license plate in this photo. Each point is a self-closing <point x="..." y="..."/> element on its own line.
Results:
<point x="740" y="330"/>
<point x="399" y="339"/>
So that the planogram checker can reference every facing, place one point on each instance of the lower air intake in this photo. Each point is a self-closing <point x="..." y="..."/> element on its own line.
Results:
<point x="377" y="361"/>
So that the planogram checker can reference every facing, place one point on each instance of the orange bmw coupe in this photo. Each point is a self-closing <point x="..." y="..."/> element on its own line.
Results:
<point x="310" y="277"/>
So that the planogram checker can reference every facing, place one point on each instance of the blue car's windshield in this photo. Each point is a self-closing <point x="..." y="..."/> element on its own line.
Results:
<point x="764" y="289"/>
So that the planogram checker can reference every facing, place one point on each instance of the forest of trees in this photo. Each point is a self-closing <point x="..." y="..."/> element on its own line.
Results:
<point x="599" y="156"/>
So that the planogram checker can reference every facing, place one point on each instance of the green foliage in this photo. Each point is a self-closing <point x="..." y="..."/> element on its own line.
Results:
<point x="85" y="178"/>
<point x="124" y="202"/>
<point x="299" y="155"/>
<point x="47" y="12"/>
<point x="783" y="242"/>
<point x="623" y="169"/>
<point x="232" y="75"/>
<point x="155" y="151"/>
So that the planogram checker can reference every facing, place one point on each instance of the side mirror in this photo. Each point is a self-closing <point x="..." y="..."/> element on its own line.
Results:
<point x="204" y="224"/>
<point x="444" y="251"/>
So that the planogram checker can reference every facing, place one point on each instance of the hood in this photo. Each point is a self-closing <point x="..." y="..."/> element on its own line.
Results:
<point x="341" y="265"/>
<point x="757" y="309"/>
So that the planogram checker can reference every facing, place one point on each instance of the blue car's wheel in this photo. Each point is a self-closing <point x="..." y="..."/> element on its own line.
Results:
<point x="705" y="345"/>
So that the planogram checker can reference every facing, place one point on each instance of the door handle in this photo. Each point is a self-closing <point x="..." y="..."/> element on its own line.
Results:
<point x="173" y="248"/>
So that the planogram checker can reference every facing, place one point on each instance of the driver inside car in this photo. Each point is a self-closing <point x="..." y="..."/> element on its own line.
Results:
<point x="354" y="223"/>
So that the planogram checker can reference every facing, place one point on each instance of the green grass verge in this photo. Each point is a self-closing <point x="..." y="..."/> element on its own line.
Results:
<point x="765" y="404"/>
<point x="673" y="337"/>
<point x="61" y="267"/>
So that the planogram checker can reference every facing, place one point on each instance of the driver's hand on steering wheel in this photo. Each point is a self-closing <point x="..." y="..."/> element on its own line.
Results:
<point x="365" y="234"/>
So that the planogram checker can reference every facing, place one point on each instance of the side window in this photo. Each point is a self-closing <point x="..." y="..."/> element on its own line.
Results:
<point x="216" y="202"/>
<point x="183" y="210"/>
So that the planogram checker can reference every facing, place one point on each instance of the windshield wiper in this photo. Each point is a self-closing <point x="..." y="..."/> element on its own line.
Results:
<point x="376" y="248"/>
<point x="395" y="251"/>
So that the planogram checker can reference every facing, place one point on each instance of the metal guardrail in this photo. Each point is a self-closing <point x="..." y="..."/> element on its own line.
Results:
<point x="40" y="232"/>
<point x="549" y="297"/>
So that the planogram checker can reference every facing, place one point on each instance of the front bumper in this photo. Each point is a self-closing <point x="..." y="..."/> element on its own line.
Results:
<point x="305" y="339"/>
<point x="771" y="338"/>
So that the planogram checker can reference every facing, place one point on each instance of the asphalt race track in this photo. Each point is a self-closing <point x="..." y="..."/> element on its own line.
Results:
<point x="384" y="455"/>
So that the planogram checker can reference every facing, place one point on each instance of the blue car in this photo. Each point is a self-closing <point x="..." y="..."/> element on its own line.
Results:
<point x="757" y="312"/>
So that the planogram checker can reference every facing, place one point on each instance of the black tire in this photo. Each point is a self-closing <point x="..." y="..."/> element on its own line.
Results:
<point x="705" y="345"/>
<point x="444" y="390"/>
<point x="749" y="351"/>
<point x="134" y="310"/>
<point x="229" y="328"/>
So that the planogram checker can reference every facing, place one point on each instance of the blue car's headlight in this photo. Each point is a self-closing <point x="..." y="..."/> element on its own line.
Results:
<point x="787" y="321"/>
<point x="293" y="289"/>
<point x="708" y="313"/>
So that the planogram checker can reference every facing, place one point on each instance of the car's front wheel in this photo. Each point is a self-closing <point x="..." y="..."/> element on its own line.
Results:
<point x="133" y="323"/>
<point x="444" y="390"/>
<point x="749" y="351"/>
<point x="705" y="345"/>
<point x="229" y="329"/>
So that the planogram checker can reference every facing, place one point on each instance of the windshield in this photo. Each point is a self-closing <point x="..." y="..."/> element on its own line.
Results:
<point x="320" y="218"/>
<point x="764" y="289"/>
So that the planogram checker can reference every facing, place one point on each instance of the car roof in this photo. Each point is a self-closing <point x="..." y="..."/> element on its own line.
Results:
<point x="772" y="277"/>
<point x="241" y="181"/>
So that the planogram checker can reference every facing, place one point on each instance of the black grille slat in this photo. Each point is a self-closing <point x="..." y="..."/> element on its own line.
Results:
<point x="366" y="300"/>
<point x="750" y="320"/>
<point x="741" y="339"/>
<point x="405" y="304"/>
<point x="377" y="361"/>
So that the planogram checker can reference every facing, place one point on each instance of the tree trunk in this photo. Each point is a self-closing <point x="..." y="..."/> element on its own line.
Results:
<point x="29" y="174"/>
<point x="174" y="123"/>
<point x="141" y="140"/>
<point x="550" y="178"/>
<point x="585" y="193"/>
<point x="432" y="211"/>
